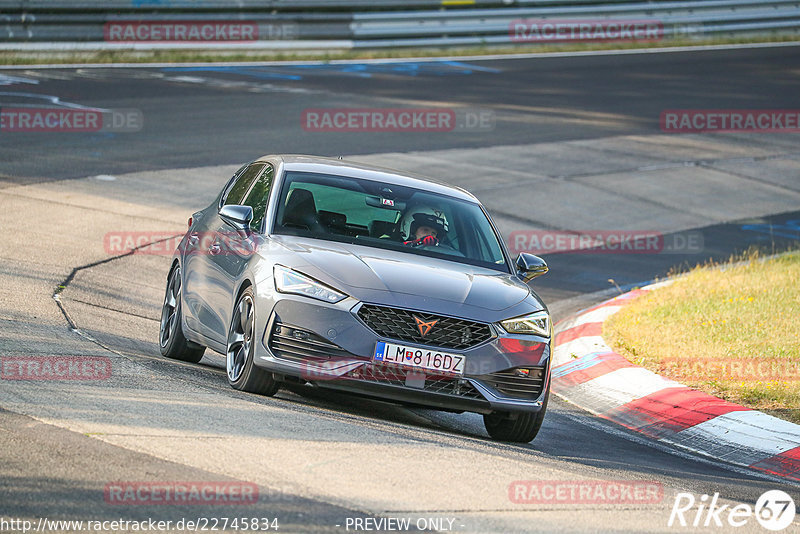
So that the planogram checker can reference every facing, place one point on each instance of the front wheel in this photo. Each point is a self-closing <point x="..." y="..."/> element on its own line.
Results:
<point x="172" y="342"/>
<point x="242" y="372"/>
<point x="518" y="427"/>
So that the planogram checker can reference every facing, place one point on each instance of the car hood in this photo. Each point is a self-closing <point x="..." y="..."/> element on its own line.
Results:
<point x="402" y="279"/>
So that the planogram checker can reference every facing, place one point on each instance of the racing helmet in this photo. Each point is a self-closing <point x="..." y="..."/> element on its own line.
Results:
<point x="423" y="215"/>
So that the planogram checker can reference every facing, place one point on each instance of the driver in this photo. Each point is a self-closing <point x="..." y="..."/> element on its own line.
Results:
<point x="423" y="226"/>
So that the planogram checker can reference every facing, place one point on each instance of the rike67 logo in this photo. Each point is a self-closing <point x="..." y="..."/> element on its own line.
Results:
<point x="774" y="510"/>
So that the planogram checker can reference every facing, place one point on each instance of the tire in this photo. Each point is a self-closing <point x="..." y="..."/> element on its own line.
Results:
<point x="517" y="427"/>
<point x="171" y="341"/>
<point x="242" y="372"/>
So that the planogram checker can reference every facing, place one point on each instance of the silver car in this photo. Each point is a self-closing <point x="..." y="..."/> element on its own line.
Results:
<point x="316" y="271"/>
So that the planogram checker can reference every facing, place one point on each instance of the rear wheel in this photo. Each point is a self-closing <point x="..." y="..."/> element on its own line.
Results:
<point x="515" y="426"/>
<point x="242" y="372"/>
<point x="172" y="342"/>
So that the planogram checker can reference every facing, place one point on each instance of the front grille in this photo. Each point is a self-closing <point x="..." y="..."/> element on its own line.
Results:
<point x="448" y="332"/>
<point x="290" y="343"/>
<point x="396" y="376"/>
<point x="512" y="383"/>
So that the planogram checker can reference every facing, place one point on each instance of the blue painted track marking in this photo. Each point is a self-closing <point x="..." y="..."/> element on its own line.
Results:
<point x="361" y="70"/>
<point x="789" y="230"/>
<point x="252" y="72"/>
<point x="585" y="362"/>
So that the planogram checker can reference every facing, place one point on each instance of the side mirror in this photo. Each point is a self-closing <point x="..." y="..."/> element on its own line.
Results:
<point x="531" y="266"/>
<point x="237" y="216"/>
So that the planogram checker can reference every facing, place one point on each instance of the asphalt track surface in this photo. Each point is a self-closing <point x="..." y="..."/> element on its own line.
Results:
<point x="575" y="144"/>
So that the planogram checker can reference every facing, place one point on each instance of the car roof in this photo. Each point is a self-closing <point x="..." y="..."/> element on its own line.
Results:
<point x="340" y="167"/>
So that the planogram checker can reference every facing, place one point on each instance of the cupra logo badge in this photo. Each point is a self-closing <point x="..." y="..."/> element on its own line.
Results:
<point x="424" y="327"/>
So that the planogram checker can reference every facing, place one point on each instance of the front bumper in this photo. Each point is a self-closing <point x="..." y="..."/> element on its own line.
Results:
<point x="329" y="346"/>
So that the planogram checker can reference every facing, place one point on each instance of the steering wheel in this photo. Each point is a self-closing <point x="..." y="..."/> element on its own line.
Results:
<point x="446" y="249"/>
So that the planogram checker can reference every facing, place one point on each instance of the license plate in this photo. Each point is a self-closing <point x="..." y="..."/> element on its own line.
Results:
<point x="420" y="358"/>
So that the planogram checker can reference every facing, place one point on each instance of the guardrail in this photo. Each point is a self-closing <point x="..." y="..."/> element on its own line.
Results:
<point x="274" y="5"/>
<point x="298" y="24"/>
<point x="494" y="26"/>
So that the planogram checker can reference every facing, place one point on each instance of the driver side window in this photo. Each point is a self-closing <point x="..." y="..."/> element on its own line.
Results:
<point x="239" y="188"/>
<point x="258" y="197"/>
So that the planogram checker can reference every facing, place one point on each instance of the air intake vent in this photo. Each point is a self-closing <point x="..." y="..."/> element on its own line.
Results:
<point x="290" y="343"/>
<point x="521" y="383"/>
<point x="396" y="376"/>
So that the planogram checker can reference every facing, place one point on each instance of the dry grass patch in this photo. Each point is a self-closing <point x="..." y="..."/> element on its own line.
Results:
<point x="731" y="330"/>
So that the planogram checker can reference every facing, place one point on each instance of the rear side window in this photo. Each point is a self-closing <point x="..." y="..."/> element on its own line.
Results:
<point x="242" y="184"/>
<point x="258" y="197"/>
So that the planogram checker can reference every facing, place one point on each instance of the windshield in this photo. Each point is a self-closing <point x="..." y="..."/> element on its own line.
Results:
<point x="363" y="212"/>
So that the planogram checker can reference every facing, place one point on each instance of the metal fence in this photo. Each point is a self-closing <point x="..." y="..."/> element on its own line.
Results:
<point x="298" y="24"/>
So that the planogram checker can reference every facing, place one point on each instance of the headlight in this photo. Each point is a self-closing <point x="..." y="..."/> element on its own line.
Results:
<point x="536" y="323"/>
<point x="289" y="281"/>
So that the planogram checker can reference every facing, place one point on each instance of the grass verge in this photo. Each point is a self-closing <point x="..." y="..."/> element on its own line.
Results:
<point x="21" y="57"/>
<point x="730" y="330"/>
